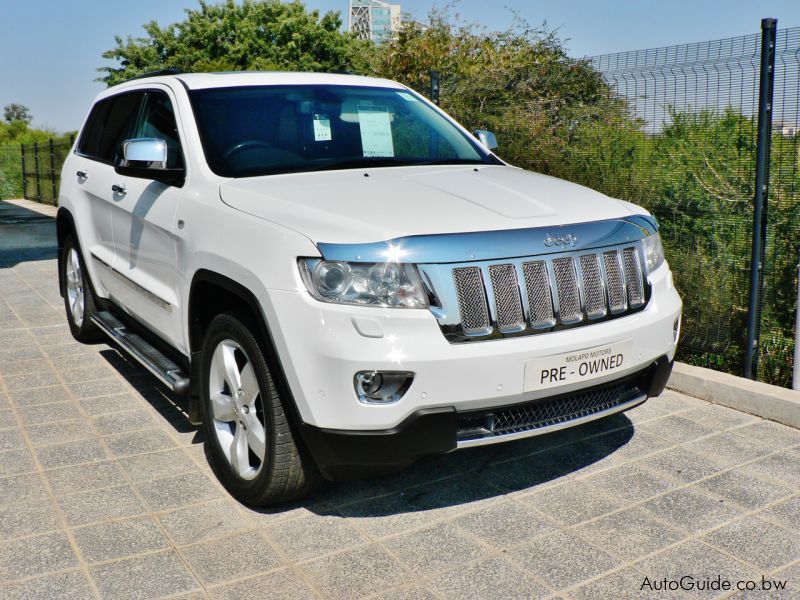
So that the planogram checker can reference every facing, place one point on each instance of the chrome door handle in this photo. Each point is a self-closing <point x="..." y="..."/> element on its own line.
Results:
<point x="119" y="189"/>
<point x="82" y="174"/>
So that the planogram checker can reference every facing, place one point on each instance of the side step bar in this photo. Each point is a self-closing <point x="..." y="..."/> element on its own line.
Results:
<point x="148" y="356"/>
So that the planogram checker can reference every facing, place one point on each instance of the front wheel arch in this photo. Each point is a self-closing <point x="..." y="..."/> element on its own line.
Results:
<point x="212" y="294"/>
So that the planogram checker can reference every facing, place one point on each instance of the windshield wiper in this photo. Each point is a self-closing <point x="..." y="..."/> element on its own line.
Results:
<point x="356" y="163"/>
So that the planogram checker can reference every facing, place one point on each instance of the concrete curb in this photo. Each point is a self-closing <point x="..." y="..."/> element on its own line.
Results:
<point x="43" y="209"/>
<point x="755" y="398"/>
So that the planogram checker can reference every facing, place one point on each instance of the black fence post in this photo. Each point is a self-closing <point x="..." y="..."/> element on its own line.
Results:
<point x="765" y="88"/>
<point x="24" y="174"/>
<point x="36" y="171"/>
<point x="435" y="80"/>
<point x="53" y="172"/>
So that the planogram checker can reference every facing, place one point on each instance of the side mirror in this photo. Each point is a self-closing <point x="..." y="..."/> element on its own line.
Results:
<point x="146" y="158"/>
<point x="486" y="138"/>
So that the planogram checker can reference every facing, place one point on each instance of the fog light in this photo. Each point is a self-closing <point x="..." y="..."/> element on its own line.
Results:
<point x="382" y="387"/>
<point x="676" y="329"/>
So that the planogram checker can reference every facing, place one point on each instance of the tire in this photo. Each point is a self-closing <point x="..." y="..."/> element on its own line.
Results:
<point x="79" y="301"/>
<point x="249" y="439"/>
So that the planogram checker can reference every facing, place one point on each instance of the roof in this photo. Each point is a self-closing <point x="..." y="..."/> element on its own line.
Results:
<point x="195" y="81"/>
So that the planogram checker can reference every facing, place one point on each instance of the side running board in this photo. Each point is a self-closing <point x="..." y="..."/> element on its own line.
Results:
<point x="145" y="353"/>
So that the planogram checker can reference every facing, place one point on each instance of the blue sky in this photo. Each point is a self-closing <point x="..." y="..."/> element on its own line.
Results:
<point x="50" y="49"/>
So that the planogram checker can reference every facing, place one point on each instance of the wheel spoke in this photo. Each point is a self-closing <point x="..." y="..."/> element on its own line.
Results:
<point x="228" y="370"/>
<point x="239" y="457"/>
<point x="71" y="278"/>
<point x="76" y="308"/>
<point x="256" y="438"/>
<point x="73" y="258"/>
<point x="222" y="405"/>
<point x="249" y="385"/>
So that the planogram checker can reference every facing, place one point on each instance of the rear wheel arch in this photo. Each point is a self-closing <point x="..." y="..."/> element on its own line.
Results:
<point x="65" y="225"/>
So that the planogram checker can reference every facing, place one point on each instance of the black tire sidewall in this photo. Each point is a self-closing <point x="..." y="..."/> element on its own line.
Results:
<point x="229" y="327"/>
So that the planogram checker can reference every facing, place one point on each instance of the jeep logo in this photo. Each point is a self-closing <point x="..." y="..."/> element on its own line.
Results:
<point x="568" y="240"/>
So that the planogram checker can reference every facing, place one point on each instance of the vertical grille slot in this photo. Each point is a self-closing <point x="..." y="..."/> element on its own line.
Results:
<point x="540" y="301"/>
<point x="506" y="297"/>
<point x="593" y="290"/>
<point x="471" y="299"/>
<point x="569" y="299"/>
<point x="617" y="301"/>
<point x="633" y="277"/>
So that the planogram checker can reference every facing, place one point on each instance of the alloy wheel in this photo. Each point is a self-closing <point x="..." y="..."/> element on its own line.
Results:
<point x="237" y="409"/>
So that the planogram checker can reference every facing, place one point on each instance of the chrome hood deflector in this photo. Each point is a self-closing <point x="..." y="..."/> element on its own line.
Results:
<point x="489" y="245"/>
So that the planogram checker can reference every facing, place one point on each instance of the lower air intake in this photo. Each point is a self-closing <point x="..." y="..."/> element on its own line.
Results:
<point x="547" y="412"/>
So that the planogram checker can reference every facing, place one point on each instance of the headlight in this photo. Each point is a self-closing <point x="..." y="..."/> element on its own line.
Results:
<point x="372" y="284"/>
<point x="653" y="252"/>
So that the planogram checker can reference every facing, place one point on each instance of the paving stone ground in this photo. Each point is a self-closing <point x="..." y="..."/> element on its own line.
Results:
<point x="105" y="492"/>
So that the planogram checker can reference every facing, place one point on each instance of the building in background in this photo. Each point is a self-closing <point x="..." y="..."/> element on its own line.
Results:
<point x="374" y="19"/>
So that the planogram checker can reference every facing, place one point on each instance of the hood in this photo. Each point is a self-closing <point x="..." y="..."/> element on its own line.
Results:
<point x="369" y="205"/>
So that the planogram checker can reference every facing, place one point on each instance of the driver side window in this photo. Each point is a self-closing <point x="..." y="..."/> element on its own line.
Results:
<point x="157" y="120"/>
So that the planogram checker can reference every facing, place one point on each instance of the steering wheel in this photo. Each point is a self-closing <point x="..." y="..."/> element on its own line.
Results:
<point x="246" y="145"/>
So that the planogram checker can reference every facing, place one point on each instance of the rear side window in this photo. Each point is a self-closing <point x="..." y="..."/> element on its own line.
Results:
<point x="89" y="143"/>
<point x="109" y="124"/>
<point x="119" y="124"/>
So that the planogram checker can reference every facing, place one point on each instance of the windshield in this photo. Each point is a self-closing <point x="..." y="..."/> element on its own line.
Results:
<point x="249" y="131"/>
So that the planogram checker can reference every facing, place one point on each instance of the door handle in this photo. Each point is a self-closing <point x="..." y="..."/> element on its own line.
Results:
<point x="118" y="189"/>
<point x="82" y="174"/>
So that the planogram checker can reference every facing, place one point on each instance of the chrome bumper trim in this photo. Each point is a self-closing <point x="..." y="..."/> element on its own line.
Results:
<point x="496" y="439"/>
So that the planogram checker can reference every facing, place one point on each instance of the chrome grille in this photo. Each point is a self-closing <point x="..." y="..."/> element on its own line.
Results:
<point x="633" y="277"/>
<point x="506" y="297"/>
<point x="617" y="301"/>
<point x="540" y="300"/>
<point x="593" y="289"/>
<point x="523" y="296"/>
<point x="471" y="299"/>
<point x="569" y="297"/>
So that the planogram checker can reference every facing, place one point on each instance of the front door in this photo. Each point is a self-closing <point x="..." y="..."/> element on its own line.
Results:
<point x="143" y="224"/>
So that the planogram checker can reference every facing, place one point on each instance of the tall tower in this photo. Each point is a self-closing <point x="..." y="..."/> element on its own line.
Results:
<point x="374" y="20"/>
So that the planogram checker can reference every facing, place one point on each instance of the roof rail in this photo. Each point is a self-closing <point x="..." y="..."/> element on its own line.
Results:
<point x="159" y="72"/>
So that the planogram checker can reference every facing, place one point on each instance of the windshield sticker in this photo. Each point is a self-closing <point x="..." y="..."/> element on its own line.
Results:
<point x="322" y="128"/>
<point x="407" y="97"/>
<point x="376" y="131"/>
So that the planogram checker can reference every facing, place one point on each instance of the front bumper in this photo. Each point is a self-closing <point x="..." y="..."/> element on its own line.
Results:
<point x="342" y="454"/>
<point x="322" y="346"/>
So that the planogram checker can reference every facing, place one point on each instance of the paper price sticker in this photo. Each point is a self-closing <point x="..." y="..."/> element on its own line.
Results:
<point x="322" y="128"/>
<point x="376" y="131"/>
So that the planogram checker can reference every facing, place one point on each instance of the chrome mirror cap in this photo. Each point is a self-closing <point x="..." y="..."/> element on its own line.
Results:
<point x="145" y="150"/>
<point x="486" y="138"/>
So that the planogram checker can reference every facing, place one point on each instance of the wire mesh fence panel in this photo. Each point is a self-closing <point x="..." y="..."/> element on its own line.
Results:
<point x="696" y="105"/>
<point x="10" y="172"/>
<point x="783" y="217"/>
<point x="41" y="164"/>
<point x="673" y="129"/>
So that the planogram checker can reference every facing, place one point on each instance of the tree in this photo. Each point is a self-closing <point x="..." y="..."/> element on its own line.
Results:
<point x="254" y="35"/>
<point x="17" y="112"/>
<point x="518" y="82"/>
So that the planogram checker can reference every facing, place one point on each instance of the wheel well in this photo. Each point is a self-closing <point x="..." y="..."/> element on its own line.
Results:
<point x="212" y="294"/>
<point x="209" y="298"/>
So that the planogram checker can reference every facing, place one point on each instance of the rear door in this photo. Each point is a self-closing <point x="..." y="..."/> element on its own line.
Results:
<point x="109" y="123"/>
<point x="143" y="222"/>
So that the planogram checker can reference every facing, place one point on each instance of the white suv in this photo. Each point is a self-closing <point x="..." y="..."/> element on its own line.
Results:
<point x="343" y="279"/>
